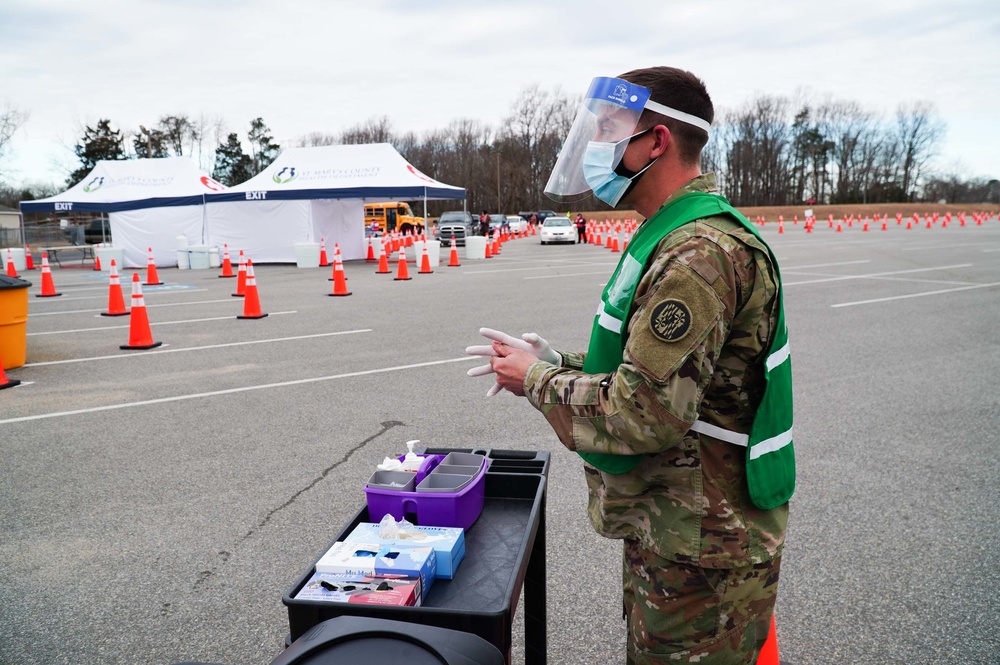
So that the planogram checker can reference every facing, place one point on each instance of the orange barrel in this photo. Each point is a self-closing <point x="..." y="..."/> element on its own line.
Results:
<point x="13" y="321"/>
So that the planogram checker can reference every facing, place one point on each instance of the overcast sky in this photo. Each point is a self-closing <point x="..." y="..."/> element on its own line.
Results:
<point x="322" y="66"/>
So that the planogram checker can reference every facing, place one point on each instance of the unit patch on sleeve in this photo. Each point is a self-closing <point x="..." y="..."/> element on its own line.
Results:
<point x="670" y="320"/>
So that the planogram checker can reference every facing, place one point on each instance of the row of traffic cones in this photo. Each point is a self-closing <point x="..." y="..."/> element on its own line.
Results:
<point x="140" y="336"/>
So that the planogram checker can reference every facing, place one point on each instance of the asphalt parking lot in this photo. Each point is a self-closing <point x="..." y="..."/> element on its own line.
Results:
<point x="155" y="505"/>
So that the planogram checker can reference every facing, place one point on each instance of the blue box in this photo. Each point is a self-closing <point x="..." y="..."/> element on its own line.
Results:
<point x="374" y="558"/>
<point x="448" y="543"/>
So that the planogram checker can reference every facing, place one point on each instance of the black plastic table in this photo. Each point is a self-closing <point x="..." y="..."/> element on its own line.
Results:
<point x="504" y="551"/>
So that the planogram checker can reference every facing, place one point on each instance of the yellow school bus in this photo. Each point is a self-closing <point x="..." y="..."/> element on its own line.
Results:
<point x="391" y="216"/>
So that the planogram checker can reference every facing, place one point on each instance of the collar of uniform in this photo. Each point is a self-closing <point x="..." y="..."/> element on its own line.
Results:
<point x="703" y="183"/>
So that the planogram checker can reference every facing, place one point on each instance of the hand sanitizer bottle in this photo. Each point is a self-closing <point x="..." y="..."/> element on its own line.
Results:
<point x="412" y="461"/>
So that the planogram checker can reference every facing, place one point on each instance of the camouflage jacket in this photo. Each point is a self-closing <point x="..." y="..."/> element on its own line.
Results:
<point x="687" y="501"/>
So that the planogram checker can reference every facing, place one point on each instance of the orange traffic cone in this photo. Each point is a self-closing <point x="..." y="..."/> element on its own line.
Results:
<point x="227" y="264"/>
<point x="339" y="280"/>
<point x="453" y="258"/>
<point x="383" y="262"/>
<point x="769" y="652"/>
<point x="11" y="270"/>
<point x="139" y="335"/>
<point x="370" y="258"/>
<point x="614" y="244"/>
<point x="152" y="279"/>
<point x="241" y="277"/>
<point x="116" y="302"/>
<point x="402" y="273"/>
<point x="489" y="254"/>
<point x="29" y="262"/>
<point x="323" y="260"/>
<point x="4" y="381"/>
<point x="781" y="226"/>
<point x="336" y="259"/>
<point x="97" y="262"/>
<point x="48" y="286"/>
<point x="425" y="262"/>
<point x="251" y="301"/>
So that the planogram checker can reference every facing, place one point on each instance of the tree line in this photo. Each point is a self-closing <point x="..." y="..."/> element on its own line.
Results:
<point x="772" y="150"/>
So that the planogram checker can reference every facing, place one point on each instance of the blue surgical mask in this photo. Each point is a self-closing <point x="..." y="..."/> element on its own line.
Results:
<point x="602" y="167"/>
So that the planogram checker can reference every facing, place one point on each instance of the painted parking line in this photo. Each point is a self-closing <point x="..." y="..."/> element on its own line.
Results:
<point x="787" y="269"/>
<point x="152" y="291"/>
<point x="569" y="274"/>
<point x="547" y="267"/>
<point x="877" y="274"/>
<point x="915" y="295"/>
<point x="148" y="306"/>
<point x="927" y="247"/>
<point x="158" y="323"/>
<point x="195" y="348"/>
<point x="231" y="391"/>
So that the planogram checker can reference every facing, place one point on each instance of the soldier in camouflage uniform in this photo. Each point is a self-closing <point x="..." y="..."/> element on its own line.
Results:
<point x="660" y="425"/>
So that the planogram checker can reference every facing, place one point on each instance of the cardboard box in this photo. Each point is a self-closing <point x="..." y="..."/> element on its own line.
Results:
<point x="448" y="543"/>
<point x="374" y="558"/>
<point x="362" y="589"/>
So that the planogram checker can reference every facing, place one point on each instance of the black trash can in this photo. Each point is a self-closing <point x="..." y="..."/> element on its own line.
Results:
<point x="349" y="640"/>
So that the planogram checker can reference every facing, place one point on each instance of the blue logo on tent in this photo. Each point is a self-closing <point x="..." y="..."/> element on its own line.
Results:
<point x="281" y="178"/>
<point x="94" y="184"/>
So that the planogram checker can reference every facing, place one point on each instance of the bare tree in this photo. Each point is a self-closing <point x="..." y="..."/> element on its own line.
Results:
<point x="918" y="133"/>
<point x="756" y="141"/>
<point x="313" y="139"/>
<point x="373" y="130"/>
<point x="532" y="135"/>
<point x="11" y="120"/>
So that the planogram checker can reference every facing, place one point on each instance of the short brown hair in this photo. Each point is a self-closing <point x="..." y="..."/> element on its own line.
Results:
<point x="681" y="90"/>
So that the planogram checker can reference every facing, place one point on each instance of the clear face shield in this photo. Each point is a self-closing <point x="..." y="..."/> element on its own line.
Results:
<point x="590" y="159"/>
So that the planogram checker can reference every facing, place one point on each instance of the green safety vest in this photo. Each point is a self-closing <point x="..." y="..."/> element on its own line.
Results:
<point x="770" y="456"/>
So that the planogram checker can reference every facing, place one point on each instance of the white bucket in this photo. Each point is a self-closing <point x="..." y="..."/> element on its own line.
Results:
<point x="182" y="253"/>
<point x="17" y="256"/>
<point x="307" y="254"/>
<point x="433" y="252"/>
<point x="198" y="257"/>
<point x="475" y="247"/>
<point x="107" y="252"/>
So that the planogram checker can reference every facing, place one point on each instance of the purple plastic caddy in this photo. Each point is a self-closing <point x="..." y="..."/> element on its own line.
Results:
<point x="456" y="509"/>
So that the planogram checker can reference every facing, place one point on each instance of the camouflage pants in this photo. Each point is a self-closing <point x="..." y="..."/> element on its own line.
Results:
<point x="685" y="614"/>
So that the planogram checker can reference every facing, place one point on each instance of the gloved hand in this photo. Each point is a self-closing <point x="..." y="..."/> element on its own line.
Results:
<point x="529" y="343"/>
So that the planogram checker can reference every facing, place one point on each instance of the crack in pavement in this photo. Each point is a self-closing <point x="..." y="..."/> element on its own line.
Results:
<point x="224" y="555"/>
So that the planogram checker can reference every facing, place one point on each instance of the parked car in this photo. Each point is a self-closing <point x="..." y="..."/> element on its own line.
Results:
<point x="517" y="223"/>
<point x="545" y="214"/>
<point x="557" y="229"/>
<point x="99" y="230"/>
<point x="498" y="222"/>
<point x="457" y="224"/>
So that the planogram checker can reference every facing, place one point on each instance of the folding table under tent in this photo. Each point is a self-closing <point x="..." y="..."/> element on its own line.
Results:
<point x="308" y="194"/>
<point x="149" y="202"/>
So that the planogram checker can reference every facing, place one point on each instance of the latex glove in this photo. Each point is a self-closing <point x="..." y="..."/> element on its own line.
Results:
<point x="529" y="343"/>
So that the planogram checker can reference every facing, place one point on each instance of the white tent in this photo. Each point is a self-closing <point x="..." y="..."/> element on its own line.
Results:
<point x="149" y="203"/>
<point x="312" y="193"/>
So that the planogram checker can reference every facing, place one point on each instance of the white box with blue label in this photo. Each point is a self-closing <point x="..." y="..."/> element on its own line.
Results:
<point x="448" y="543"/>
<point x="375" y="558"/>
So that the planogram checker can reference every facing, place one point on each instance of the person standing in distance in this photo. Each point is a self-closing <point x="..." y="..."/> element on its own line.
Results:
<point x="681" y="408"/>
<point x="581" y="229"/>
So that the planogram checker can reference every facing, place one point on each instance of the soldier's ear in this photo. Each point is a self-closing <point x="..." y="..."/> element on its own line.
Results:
<point x="662" y="138"/>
